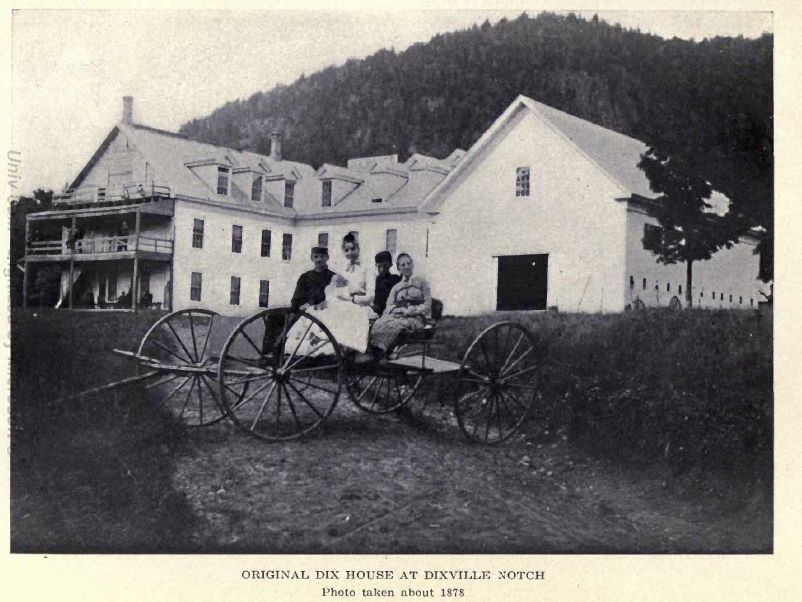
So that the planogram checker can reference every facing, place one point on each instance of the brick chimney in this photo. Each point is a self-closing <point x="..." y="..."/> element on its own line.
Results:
<point x="128" y="110"/>
<point x="275" y="146"/>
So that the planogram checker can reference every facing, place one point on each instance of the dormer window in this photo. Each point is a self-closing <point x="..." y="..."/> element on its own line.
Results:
<point x="522" y="181"/>
<point x="222" y="180"/>
<point x="327" y="193"/>
<point x="375" y="200"/>
<point x="256" y="189"/>
<point x="289" y="193"/>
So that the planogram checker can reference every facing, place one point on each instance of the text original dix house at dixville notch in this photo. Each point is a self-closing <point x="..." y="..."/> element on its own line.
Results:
<point x="377" y="575"/>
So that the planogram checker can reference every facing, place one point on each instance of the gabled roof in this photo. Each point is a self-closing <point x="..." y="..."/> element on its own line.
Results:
<point x="613" y="153"/>
<point x="171" y="156"/>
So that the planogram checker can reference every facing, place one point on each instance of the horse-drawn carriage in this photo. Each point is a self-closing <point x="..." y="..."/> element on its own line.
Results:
<point x="203" y="368"/>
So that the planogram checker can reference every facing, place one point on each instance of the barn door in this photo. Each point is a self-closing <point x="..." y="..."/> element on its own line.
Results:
<point x="522" y="282"/>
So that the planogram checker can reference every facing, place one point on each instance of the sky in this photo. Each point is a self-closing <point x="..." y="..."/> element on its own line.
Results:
<point x="71" y="68"/>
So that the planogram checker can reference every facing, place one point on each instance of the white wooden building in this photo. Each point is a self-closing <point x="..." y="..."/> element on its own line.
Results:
<point x="545" y="210"/>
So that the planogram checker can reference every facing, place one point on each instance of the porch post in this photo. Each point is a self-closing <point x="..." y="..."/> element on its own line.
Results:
<point x="25" y="264"/>
<point x="69" y="282"/>
<point x="136" y="231"/>
<point x="135" y="283"/>
<point x="170" y="288"/>
<point x="25" y="280"/>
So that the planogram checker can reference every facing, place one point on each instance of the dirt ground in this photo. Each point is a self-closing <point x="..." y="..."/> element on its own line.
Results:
<point x="369" y="484"/>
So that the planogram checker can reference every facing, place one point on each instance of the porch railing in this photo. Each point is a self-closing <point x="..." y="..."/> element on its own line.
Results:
<point x="127" y="193"/>
<point x="91" y="246"/>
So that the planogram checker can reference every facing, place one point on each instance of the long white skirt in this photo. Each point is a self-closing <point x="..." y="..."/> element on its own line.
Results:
<point x="348" y="323"/>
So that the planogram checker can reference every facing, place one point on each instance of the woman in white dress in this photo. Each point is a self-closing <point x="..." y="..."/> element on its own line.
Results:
<point x="345" y="309"/>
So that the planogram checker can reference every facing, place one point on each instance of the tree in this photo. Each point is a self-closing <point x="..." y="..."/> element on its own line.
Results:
<point x="690" y="230"/>
<point x="41" y="201"/>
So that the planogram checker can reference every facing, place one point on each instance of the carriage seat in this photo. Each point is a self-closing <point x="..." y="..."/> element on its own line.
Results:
<point x="425" y="334"/>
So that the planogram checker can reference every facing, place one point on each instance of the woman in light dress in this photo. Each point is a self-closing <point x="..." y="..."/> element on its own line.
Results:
<point x="345" y="312"/>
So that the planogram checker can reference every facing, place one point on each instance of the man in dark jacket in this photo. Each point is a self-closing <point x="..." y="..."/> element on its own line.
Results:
<point x="385" y="281"/>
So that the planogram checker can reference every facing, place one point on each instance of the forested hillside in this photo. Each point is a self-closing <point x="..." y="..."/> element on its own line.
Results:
<point x="710" y="100"/>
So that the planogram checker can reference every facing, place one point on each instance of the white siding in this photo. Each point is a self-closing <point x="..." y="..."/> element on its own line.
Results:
<point x="570" y="214"/>
<point x="730" y="271"/>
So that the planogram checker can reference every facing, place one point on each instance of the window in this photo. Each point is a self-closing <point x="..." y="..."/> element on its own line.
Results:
<point x="644" y="284"/>
<point x="101" y="194"/>
<point x="264" y="292"/>
<point x="234" y="300"/>
<point x="289" y="192"/>
<point x="652" y="236"/>
<point x="713" y="295"/>
<point x="286" y="247"/>
<point x="668" y="287"/>
<point x="740" y="300"/>
<point x="265" y="243"/>
<point x="375" y="200"/>
<point x="751" y="302"/>
<point x="327" y="193"/>
<point x="702" y="294"/>
<point x="679" y="290"/>
<point x="722" y="297"/>
<point x="730" y="298"/>
<point x="236" y="239"/>
<point x="222" y="180"/>
<point x="323" y="239"/>
<point x="197" y="234"/>
<point x="392" y="240"/>
<point x="522" y="181"/>
<point x="256" y="189"/>
<point x="195" y="286"/>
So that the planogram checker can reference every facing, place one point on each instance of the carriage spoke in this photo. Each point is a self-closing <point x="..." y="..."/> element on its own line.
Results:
<point x="180" y="342"/>
<point x="255" y="393"/>
<point x="366" y="389"/>
<point x="194" y="343"/>
<point x="301" y="340"/>
<point x="519" y="373"/>
<point x="206" y="340"/>
<point x="186" y="401"/>
<point x="308" y="355"/>
<point x="264" y="405"/>
<point x="224" y="385"/>
<point x="200" y="398"/>
<point x="517" y="386"/>
<point x="309" y="384"/>
<point x="516" y="362"/>
<point x="278" y="409"/>
<point x="169" y="395"/>
<point x="315" y="369"/>
<point x="305" y="400"/>
<point x="252" y="344"/>
<point x="512" y="353"/>
<point x="211" y="390"/>
<point x="514" y="399"/>
<point x="251" y="379"/>
<point x="171" y="352"/>
<point x="484" y="353"/>
<point x="292" y="409"/>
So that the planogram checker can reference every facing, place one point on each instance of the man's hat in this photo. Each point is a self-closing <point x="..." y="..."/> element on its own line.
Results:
<point x="384" y="256"/>
<point x="323" y="250"/>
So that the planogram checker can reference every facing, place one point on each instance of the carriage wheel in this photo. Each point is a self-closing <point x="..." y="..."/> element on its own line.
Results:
<point x="497" y="383"/>
<point x="379" y="389"/>
<point x="675" y="303"/>
<point x="295" y="378"/>
<point x="189" y="392"/>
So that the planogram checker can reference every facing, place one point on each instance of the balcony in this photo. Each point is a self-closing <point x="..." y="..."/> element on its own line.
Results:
<point x="129" y="193"/>
<point x="107" y="248"/>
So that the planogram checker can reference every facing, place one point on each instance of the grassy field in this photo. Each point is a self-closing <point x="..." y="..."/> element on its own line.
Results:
<point x="687" y="392"/>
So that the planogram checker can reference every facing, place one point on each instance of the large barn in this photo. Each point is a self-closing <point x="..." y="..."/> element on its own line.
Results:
<point x="545" y="210"/>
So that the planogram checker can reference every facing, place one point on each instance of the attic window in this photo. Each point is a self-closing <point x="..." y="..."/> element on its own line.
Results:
<point x="222" y="180"/>
<point x="256" y="189"/>
<point x="375" y="200"/>
<point x="289" y="193"/>
<point x="327" y="193"/>
<point x="522" y="181"/>
<point x="652" y="236"/>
